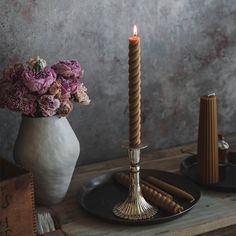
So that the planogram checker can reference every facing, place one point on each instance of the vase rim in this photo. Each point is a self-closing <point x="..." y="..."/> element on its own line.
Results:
<point x="41" y="117"/>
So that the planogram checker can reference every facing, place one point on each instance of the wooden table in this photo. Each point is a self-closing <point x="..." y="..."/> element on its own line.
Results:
<point x="215" y="213"/>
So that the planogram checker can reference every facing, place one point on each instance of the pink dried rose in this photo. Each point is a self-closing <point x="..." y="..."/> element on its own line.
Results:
<point x="39" y="81"/>
<point x="48" y="105"/>
<point x="81" y="95"/>
<point x="65" y="108"/>
<point x="68" y="69"/>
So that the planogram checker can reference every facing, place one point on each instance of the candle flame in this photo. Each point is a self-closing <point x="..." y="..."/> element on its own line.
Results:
<point x="135" y="30"/>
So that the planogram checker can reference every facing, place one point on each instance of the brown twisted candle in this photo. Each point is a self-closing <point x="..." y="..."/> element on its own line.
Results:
<point x="134" y="92"/>
<point x="156" y="188"/>
<point x="208" y="141"/>
<point x="170" y="188"/>
<point x="150" y="194"/>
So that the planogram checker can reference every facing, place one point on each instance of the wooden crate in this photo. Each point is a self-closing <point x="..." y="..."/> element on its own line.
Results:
<point x="17" y="209"/>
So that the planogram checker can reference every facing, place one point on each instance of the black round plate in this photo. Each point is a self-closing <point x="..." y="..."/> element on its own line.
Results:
<point x="227" y="182"/>
<point x="102" y="193"/>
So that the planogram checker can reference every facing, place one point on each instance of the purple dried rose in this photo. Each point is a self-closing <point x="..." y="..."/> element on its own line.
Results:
<point x="68" y="69"/>
<point x="69" y="85"/>
<point x="29" y="105"/>
<point x="15" y="96"/>
<point x="48" y="105"/>
<point x="39" y="82"/>
<point x="38" y="90"/>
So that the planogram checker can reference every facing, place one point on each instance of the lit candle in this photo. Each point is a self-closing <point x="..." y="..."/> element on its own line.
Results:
<point x="134" y="90"/>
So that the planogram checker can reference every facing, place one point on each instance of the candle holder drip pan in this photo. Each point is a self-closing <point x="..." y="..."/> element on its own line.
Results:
<point x="99" y="195"/>
<point x="227" y="173"/>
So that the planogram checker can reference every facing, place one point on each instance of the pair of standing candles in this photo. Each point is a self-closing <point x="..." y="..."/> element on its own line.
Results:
<point x="134" y="90"/>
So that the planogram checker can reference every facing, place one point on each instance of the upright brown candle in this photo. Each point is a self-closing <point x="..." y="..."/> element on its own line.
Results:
<point x="208" y="141"/>
<point x="134" y="91"/>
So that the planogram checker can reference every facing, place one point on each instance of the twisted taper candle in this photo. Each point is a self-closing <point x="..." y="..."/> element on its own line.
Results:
<point x="134" y="92"/>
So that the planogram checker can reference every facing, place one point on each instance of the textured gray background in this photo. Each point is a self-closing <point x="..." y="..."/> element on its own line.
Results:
<point x="188" y="49"/>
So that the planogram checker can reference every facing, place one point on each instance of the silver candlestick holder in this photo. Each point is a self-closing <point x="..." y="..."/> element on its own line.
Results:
<point x="135" y="207"/>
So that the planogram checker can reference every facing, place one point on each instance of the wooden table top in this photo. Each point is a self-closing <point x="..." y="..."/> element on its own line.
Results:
<point x="214" y="211"/>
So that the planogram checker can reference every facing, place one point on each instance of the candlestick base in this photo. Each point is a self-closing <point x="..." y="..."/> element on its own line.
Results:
<point x="135" y="207"/>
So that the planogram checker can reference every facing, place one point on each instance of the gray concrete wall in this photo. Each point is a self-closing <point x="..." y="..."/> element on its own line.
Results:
<point x="188" y="49"/>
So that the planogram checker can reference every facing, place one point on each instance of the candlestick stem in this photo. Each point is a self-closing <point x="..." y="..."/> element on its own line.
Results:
<point x="135" y="207"/>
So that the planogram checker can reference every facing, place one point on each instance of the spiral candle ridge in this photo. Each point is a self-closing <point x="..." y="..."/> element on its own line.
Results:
<point x="134" y="94"/>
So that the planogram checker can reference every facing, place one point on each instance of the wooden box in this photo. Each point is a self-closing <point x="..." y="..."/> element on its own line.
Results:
<point x="17" y="209"/>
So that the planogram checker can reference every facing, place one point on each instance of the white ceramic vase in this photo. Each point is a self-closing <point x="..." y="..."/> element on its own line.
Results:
<point x="49" y="148"/>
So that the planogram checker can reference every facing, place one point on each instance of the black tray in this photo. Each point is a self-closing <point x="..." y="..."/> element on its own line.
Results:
<point x="227" y="182"/>
<point x="100" y="194"/>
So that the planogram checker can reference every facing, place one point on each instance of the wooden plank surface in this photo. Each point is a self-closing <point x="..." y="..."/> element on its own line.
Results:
<point x="55" y="233"/>
<point x="226" y="231"/>
<point x="213" y="211"/>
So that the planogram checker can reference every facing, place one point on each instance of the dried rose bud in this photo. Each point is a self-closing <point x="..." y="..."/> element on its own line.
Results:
<point x="19" y="68"/>
<point x="36" y="64"/>
<point x="7" y="74"/>
<point x="65" y="108"/>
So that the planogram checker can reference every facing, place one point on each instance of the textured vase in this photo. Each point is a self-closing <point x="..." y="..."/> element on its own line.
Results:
<point x="49" y="148"/>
